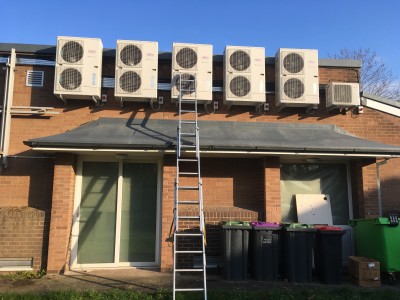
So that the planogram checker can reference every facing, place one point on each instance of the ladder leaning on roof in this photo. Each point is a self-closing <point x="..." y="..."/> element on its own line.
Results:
<point x="188" y="196"/>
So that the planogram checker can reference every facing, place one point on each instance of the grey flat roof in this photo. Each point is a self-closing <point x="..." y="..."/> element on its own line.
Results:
<point x="120" y="133"/>
<point x="108" y="52"/>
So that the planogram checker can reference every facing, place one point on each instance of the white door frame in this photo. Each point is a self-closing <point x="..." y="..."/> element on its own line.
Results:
<point x="76" y="214"/>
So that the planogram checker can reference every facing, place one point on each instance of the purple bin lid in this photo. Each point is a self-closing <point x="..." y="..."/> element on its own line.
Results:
<point x="265" y="224"/>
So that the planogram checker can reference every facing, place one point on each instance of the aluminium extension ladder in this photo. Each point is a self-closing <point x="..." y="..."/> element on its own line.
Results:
<point x="188" y="196"/>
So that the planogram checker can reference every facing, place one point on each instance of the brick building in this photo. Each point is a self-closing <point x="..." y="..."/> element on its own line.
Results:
<point x="63" y="162"/>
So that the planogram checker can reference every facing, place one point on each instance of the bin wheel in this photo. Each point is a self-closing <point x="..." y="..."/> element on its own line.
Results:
<point x="392" y="278"/>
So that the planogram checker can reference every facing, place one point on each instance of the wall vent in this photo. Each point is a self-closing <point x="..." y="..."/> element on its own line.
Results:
<point x="34" y="78"/>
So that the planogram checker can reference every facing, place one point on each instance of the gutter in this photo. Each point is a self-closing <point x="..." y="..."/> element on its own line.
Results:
<point x="215" y="152"/>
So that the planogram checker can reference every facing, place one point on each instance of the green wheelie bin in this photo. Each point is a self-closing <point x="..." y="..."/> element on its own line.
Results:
<point x="379" y="238"/>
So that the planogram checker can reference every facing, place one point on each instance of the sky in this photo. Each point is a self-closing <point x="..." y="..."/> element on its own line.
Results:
<point x="309" y="24"/>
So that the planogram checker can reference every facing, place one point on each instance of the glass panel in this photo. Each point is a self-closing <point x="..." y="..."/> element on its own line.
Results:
<point x="139" y="213"/>
<point x="96" y="242"/>
<point x="315" y="179"/>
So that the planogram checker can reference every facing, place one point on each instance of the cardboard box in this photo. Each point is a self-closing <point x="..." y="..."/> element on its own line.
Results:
<point x="365" y="271"/>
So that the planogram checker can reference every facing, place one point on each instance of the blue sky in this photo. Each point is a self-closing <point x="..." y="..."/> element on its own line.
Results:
<point x="324" y="25"/>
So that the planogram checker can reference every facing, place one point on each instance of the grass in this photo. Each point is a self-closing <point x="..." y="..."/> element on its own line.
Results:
<point x="275" y="294"/>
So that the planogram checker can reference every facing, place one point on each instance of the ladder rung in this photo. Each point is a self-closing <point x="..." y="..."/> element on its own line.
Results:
<point x="189" y="270"/>
<point x="189" y="217"/>
<point x="188" y="134"/>
<point x="188" y="146"/>
<point x="186" y="188"/>
<point x="187" y="100"/>
<point x="189" y="202"/>
<point x="187" y="159"/>
<point x="188" y="111"/>
<point x="188" y="173"/>
<point x="188" y="122"/>
<point x="189" y="290"/>
<point x="187" y="234"/>
<point x="188" y="251"/>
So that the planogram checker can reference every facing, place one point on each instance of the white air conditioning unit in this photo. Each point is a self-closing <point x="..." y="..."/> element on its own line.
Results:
<point x="136" y="69"/>
<point x="244" y="75"/>
<point x="296" y="78"/>
<point x="341" y="94"/>
<point x="190" y="62"/>
<point x="78" y="68"/>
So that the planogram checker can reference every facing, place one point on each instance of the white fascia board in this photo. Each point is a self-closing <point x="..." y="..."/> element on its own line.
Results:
<point x="395" y="111"/>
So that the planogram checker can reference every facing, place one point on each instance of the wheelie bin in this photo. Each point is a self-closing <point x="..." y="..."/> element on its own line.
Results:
<point x="328" y="254"/>
<point x="379" y="238"/>
<point x="298" y="252"/>
<point x="235" y="250"/>
<point x="265" y="250"/>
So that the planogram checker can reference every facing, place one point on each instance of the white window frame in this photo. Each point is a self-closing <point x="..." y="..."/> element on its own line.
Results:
<point x="76" y="215"/>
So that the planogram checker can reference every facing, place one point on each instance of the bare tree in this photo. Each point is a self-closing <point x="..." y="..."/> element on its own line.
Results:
<point x="375" y="76"/>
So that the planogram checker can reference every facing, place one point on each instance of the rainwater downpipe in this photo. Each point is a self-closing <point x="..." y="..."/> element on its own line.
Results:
<point x="378" y="178"/>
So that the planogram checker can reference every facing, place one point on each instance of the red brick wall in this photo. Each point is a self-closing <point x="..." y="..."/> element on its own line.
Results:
<point x="227" y="182"/>
<point x="167" y="206"/>
<point x="61" y="213"/>
<point x="272" y="190"/>
<point x="23" y="234"/>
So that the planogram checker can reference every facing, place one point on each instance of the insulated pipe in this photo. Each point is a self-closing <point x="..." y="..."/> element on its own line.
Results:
<point x="378" y="178"/>
<point x="8" y="100"/>
<point x="3" y="111"/>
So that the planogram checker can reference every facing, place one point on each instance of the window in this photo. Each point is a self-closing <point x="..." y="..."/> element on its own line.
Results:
<point x="34" y="78"/>
<point x="315" y="179"/>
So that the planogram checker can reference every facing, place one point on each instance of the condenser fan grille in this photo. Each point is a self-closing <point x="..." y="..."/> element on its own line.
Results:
<point x="239" y="60"/>
<point x="293" y="63"/>
<point x="186" y="58"/>
<point x="240" y="86"/>
<point x="293" y="88"/>
<point x="131" y="55"/>
<point x="188" y="84"/>
<point x="342" y="93"/>
<point x="130" y="82"/>
<point x="70" y="79"/>
<point x="72" y="52"/>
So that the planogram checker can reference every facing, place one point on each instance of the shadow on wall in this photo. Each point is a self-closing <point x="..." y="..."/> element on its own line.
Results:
<point x="29" y="181"/>
<point x="367" y="205"/>
<point x="237" y="182"/>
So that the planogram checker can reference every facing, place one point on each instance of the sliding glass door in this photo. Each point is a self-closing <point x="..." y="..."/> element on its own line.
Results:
<point x="117" y="215"/>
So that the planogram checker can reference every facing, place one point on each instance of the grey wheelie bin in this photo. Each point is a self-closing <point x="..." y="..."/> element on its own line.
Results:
<point x="235" y="250"/>
<point x="297" y="258"/>
<point x="265" y="250"/>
